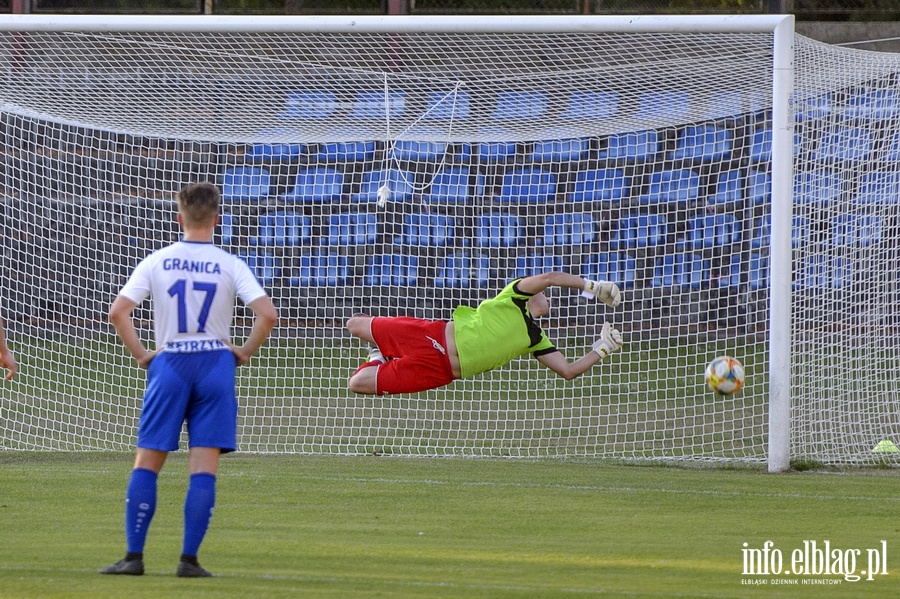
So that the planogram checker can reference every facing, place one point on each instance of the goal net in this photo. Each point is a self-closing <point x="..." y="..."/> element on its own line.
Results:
<point x="640" y="157"/>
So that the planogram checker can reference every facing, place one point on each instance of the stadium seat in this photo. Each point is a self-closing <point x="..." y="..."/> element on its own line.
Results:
<point x="679" y="186"/>
<point x="520" y="105"/>
<point x="309" y="104"/>
<point x="729" y="189"/>
<point x="706" y="143"/>
<point x="350" y="228"/>
<point x="592" y="105"/>
<point x="463" y="270"/>
<point x="226" y="228"/>
<point x="601" y="185"/>
<point x="632" y="146"/>
<point x="392" y="270"/>
<point x="890" y="149"/>
<point x="427" y="230"/>
<point x="761" y="235"/>
<point x="321" y="269"/>
<point x="399" y="182"/>
<point x="342" y="152"/>
<point x="759" y="188"/>
<point x="317" y="184"/>
<point x="685" y="270"/>
<point x="822" y="272"/>
<point x="844" y="143"/>
<point x="712" y="231"/>
<point x="530" y="185"/>
<point x="758" y="273"/>
<point x="264" y="265"/>
<point x="246" y="183"/>
<point x="856" y="230"/>
<point x="499" y="149"/>
<point x="568" y="230"/>
<point x="817" y="187"/>
<point x="283" y="229"/>
<point x="418" y="151"/>
<point x="536" y="263"/>
<point x="450" y="185"/>
<point x="450" y="105"/>
<point x="275" y="151"/>
<point x="498" y="229"/>
<point x="638" y="231"/>
<point x="670" y="106"/>
<point x="618" y="267"/>
<point x="760" y="146"/>
<point x="872" y="104"/>
<point x="556" y="151"/>
<point x="813" y="107"/>
<point x="879" y="188"/>
<point x="372" y="104"/>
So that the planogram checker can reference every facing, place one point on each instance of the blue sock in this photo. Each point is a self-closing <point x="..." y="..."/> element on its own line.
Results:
<point x="198" y="510"/>
<point x="140" y="505"/>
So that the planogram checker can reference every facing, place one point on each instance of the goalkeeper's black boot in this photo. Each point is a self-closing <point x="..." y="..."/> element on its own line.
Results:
<point x="188" y="567"/>
<point x="130" y="567"/>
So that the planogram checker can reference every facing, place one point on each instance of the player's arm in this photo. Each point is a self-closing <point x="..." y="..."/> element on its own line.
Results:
<point x="7" y="359"/>
<point x="610" y="340"/>
<point x="120" y="317"/>
<point x="264" y="317"/>
<point x="605" y="291"/>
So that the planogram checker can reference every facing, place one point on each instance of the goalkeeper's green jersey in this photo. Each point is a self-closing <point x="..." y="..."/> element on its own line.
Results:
<point x="497" y="331"/>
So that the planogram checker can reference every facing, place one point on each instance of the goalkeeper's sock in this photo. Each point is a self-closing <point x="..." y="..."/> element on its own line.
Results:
<point x="198" y="510"/>
<point x="140" y="505"/>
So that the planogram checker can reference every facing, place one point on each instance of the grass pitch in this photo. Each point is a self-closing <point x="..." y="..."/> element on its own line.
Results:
<point x="301" y="526"/>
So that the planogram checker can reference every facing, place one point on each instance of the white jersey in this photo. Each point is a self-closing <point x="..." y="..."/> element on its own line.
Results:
<point x="193" y="286"/>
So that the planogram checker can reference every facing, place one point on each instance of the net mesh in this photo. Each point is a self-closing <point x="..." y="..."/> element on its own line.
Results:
<point x="637" y="158"/>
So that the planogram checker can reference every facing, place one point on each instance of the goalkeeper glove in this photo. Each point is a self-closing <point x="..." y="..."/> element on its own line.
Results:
<point x="606" y="292"/>
<point x="610" y="340"/>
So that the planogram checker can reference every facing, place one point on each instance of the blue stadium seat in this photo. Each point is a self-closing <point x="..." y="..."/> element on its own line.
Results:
<point x="758" y="274"/>
<point x="520" y="105"/>
<point x="350" y="228"/>
<point x="873" y="104"/>
<point x="729" y="189"/>
<point x="618" y="267"/>
<point x="711" y="231"/>
<point x="670" y="106"/>
<point x="761" y="235"/>
<point x="632" y="146"/>
<point x="856" y="230"/>
<point x="536" y="263"/>
<point x="450" y="185"/>
<point x="813" y="107"/>
<point x="759" y="188"/>
<point x="246" y="183"/>
<point x="308" y="104"/>
<point x="679" y="186"/>
<point x="498" y="229"/>
<point x="601" y="185"/>
<point x="566" y="150"/>
<point x="283" y="228"/>
<point x="890" y="149"/>
<point x="226" y="228"/>
<point x="685" y="270"/>
<point x="448" y="105"/>
<point x="274" y="152"/>
<point x="418" y="151"/>
<point x="568" y="230"/>
<point x="316" y="185"/>
<point x="321" y="269"/>
<point x="372" y="104"/>
<point x="342" y="152"/>
<point x="703" y="142"/>
<point x="527" y="184"/>
<point x="399" y="182"/>
<point x="845" y="143"/>
<point x="392" y="270"/>
<point x="761" y="146"/>
<point x="500" y="149"/>
<point x="879" y="188"/>
<point x="592" y="105"/>
<point x="428" y="230"/>
<point x="639" y="231"/>
<point x="264" y="265"/>
<point x="818" y="187"/>
<point x="823" y="272"/>
<point x="462" y="270"/>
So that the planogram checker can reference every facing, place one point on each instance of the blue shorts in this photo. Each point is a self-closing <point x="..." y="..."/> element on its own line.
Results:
<point x="197" y="388"/>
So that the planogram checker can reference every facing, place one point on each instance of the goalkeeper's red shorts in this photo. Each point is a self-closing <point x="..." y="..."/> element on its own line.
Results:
<point x="416" y="353"/>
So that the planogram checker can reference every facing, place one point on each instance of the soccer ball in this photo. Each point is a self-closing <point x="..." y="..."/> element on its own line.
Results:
<point x="725" y="375"/>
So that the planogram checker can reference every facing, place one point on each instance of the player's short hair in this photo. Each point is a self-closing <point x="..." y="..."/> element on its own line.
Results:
<point x="199" y="203"/>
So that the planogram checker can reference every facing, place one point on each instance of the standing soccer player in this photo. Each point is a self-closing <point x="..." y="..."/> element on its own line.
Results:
<point x="191" y="373"/>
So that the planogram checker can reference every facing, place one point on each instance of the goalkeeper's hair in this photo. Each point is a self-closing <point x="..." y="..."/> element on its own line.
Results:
<point x="199" y="203"/>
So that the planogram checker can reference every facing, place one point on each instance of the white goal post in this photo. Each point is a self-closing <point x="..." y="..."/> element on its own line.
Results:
<point x="674" y="155"/>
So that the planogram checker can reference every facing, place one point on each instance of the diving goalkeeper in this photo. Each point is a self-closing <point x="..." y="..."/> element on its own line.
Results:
<point x="412" y="354"/>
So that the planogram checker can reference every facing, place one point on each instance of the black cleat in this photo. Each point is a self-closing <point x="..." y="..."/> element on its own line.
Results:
<point x="131" y="567"/>
<point x="189" y="570"/>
